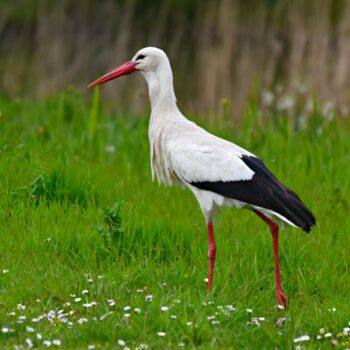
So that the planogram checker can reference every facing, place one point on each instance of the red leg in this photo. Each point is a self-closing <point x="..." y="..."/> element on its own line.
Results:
<point x="281" y="298"/>
<point x="211" y="254"/>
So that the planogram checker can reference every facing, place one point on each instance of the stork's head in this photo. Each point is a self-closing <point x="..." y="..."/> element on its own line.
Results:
<point x="148" y="60"/>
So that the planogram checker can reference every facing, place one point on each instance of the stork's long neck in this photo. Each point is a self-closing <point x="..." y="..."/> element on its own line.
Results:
<point x="161" y="89"/>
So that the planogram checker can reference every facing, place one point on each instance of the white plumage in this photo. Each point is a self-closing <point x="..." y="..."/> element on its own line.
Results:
<point x="218" y="172"/>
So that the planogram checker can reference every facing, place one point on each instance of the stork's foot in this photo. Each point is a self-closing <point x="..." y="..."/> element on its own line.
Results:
<point x="282" y="299"/>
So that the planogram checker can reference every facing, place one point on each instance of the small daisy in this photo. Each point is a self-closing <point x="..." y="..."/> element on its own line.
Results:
<point x="149" y="297"/>
<point x="56" y="342"/>
<point x="301" y="339"/>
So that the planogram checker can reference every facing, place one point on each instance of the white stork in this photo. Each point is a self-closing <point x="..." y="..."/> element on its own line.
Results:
<point x="218" y="172"/>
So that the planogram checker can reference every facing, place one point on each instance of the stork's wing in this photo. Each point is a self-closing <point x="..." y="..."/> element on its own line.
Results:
<point x="195" y="162"/>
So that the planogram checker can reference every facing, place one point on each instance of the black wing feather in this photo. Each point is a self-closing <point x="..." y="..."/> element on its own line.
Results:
<point x="263" y="190"/>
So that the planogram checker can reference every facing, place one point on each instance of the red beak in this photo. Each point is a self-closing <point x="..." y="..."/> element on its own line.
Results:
<point x="124" y="69"/>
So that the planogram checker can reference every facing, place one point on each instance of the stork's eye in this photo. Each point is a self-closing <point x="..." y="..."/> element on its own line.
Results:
<point x="140" y="57"/>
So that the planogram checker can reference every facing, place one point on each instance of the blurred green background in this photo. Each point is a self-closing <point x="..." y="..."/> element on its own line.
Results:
<point x="222" y="52"/>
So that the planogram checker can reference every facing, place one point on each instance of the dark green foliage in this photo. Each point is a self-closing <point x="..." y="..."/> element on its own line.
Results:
<point x="112" y="231"/>
<point x="57" y="186"/>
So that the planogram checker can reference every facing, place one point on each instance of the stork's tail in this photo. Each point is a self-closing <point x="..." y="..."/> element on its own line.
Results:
<point x="293" y="209"/>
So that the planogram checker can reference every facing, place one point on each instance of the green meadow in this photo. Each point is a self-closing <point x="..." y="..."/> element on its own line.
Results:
<point x="94" y="255"/>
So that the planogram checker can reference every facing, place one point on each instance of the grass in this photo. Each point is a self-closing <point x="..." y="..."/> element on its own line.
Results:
<point x="79" y="213"/>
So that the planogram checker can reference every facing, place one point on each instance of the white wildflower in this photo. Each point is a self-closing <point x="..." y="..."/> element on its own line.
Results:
<point x="105" y="315"/>
<point x="149" y="297"/>
<point x="254" y="321"/>
<point x="121" y="342"/>
<point x="47" y="343"/>
<point x="164" y="308"/>
<point x="126" y="308"/>
<point x="88" y="305"/>
<point x="111" y="302"/>
<point x="137" y="310"/>
<point x="161" y="334"/>
<point x="77" y="300"/>
<point x="230" y="308"/>
<point x="56" y="342"/>
<point x="29" y="343"/>
<point x="85" y="291"/>
<point x="22" y="318"/>
<point x="301" y="339"/>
